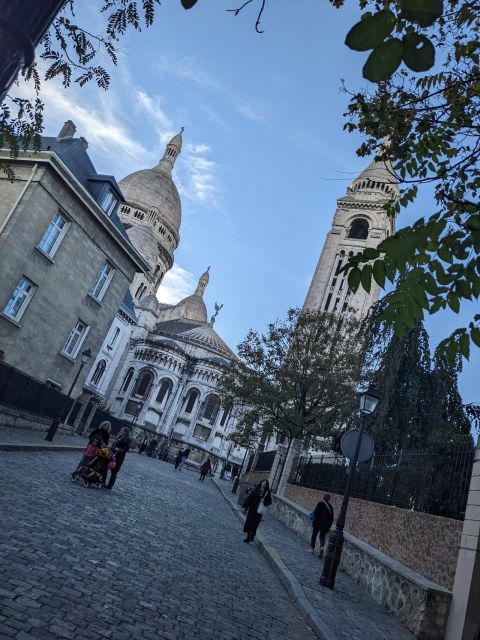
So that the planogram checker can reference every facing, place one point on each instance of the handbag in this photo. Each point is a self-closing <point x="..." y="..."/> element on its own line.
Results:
<point x="311" y="516"/>
<point x="261" y="509"/>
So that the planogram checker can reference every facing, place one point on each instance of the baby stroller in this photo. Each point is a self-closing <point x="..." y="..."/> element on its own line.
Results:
<point x="95" y="471"/>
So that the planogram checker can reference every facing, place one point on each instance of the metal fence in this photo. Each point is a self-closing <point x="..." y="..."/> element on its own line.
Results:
<point x="20" y="391"/>
<point x="265" y="461"/>
<point x="435" y="482"/>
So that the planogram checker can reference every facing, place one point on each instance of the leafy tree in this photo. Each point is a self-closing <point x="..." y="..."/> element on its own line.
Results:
<point x="421" y="405"/>
<point x="298" y="378"/>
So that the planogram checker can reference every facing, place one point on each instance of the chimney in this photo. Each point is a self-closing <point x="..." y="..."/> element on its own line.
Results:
<point x="84" y="142"/>
<point x="67" y="131"/>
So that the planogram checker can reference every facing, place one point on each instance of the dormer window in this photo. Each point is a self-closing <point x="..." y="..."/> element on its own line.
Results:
<point x="108" y="202"/>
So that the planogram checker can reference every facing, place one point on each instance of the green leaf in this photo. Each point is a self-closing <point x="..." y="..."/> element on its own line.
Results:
<point x="422" y="12"/>
<point x="371" y="253"/>
<point x="475" y="336"/>
<point x="188" y="4"/>
<point x="464" y="344"/>
<point x="451" y="351"/>
<point x="418" y="55"/>
<point x="366" y="278"/>
<point x="354" y="279"/>
<point x="371" y="31"/>
<point x="383" y="61"/>
<point x="379" y="272"/>
<point x="453" y="302"/>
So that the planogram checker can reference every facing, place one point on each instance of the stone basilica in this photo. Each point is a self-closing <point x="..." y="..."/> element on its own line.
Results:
<point x="159" y="364"/>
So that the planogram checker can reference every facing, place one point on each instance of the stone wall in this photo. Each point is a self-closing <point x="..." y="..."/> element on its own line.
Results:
<point x="425" y="543"/>
<point x="20" y="419"/>
<point x="255" y="477"/>
<point x="420" y="604"/>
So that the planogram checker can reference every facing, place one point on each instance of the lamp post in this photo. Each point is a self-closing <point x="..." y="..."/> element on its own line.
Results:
<point x="23" y="24"/>
<point x="368" y="401"/>
<point x="84" y="359"/>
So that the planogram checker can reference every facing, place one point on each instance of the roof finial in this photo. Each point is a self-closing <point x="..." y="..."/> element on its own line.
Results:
<point x="202" y="283"/>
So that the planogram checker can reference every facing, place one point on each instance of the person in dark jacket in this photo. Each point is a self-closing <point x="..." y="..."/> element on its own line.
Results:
<point x="322" y="522"/>
<point x="185" y="455"/>
<point x="120" y="446"/>
<point x="257" y="499"/>
<point x="151" y="447"/>
<point x="97" y="439"/>
<point x="205" y="469"/>
<point x="143" y="445"/>
<point x="178" y="458"/>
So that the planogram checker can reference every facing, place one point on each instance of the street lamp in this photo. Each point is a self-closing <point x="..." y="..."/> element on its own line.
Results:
<point x="23" y="23"/>
<point x="368" y="402"/>
<point x="85" y="357"/>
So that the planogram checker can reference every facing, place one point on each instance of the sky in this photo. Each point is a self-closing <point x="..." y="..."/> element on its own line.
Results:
<point x="264" y="158"/>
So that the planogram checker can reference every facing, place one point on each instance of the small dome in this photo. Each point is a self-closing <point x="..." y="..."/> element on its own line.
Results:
<point x="378" y="175"/>
<point x="154" y="189"/>
<point x="192" y="308"/>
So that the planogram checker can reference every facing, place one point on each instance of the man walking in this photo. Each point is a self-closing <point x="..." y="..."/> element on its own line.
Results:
<point x="120" y="446"/>
<point x="321" y="523"/>
<point x="185" y="455"/>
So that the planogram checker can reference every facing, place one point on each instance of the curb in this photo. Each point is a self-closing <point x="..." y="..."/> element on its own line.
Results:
<point x="287" y="578"/>
<point x="39" y="447"/>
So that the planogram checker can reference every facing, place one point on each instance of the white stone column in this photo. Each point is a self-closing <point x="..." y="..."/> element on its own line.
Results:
<point x="464" y="618"/>
<point x="292" y="453"/>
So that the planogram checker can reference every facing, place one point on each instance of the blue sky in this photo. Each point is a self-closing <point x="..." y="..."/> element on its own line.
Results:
<point x="265" y="156"/>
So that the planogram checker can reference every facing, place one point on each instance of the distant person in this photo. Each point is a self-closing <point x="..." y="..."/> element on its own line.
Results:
<point x="143" y="445"/>
<point x="205" y="469"/>
<point x="185" y="455"/>
<point x="178" y="458"/>
<point x="321" y="523"/>
<point x="255" y="504"/>
<point x="151" y="447"/>
<point x="120" y="446"/>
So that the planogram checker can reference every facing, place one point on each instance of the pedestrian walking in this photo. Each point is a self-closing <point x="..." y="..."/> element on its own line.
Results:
<point x="143" y="445"/>
<point x="185" y="455"/>
<point x="97" y="439"/>
<point x="322" y="520"/>
<point x="255" y="504"/>
<point x="205" y="469"/>
<point x="178" y="458"/>
<point x="120" y="446"/>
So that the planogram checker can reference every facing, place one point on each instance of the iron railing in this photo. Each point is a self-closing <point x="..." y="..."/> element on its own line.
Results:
<point x="434" y="482"/>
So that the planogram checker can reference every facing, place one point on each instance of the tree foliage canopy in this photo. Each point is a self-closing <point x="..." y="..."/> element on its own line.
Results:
<point x="299" y="377"/>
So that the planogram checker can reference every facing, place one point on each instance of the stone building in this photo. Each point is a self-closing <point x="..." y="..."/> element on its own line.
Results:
<point x="167" y="382"/>
<point x="360" y="221"/>
<point x="65" y="258"/>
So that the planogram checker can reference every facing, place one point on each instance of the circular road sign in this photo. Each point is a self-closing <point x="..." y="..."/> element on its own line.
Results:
<point x="348" y="444"/>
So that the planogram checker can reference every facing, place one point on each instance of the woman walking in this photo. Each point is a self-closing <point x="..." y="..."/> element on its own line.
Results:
<point x="321" y="523"/>
<point x="120" y="446"/>
<point x="255" y="503"/>
<point x="205" y="469"/>
<point x="97" y="439"/>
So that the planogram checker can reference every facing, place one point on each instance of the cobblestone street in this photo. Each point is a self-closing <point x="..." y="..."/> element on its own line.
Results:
<point x="159" y="557"/>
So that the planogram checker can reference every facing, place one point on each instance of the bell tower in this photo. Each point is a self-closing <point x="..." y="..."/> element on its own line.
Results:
<point x="360" y="221"/>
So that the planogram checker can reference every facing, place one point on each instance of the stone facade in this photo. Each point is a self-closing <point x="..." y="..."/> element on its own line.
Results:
<point x="419" y="603"/>
<point x="360" y="221"/>
<point x="425" y="543"/>
<point x="61" y="281"/>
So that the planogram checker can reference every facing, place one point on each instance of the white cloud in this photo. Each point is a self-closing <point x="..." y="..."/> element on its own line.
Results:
<point x="153" y="106"/>
<point x="177" y="284"/>
<point x="201" y="182"/>
<point x="250" y="113"/>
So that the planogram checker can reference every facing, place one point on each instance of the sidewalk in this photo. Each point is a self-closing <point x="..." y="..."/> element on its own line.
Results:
<point x="12" y="439"/>
<point x="345" y="613"/>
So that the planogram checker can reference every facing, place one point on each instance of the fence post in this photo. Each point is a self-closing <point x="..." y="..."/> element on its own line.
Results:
<point x="464" y="618"/>
<point x="280" y="454"/>
<point x="287" y="467"/>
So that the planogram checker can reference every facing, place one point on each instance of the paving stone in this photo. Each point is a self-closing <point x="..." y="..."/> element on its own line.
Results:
<point x="161" y="556"/>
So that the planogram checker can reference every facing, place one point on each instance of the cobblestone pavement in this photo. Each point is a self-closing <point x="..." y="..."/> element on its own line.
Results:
<point x="348" y="610"/>
<point x="160" y="557"/>
<point x="11" y="435"/>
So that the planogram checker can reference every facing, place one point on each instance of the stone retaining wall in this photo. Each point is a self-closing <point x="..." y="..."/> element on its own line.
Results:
<point x="420" y="604"/>
<point x="10" y="417"/>
<point x="425" y="543"/>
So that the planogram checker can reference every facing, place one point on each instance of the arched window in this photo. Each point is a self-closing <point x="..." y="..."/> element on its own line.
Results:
<point x="143" y="384"/>
<point x="137" y="294"/>
<point x="99" y="371"/>
<point x="191" y="400"/>
<point x="164" y="391"/>
<point x="114" y="336"/>
<point x="359" y="229"/>
<point x="211" y="408"/>
<point x="127" y="380"/>
<point x="225" y="416"/>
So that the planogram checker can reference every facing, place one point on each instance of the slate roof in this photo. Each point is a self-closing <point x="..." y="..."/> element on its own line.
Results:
<point x="199" y="333"/>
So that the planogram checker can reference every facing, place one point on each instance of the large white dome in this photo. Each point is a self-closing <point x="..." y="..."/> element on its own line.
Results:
<point x="154" y="189"/>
